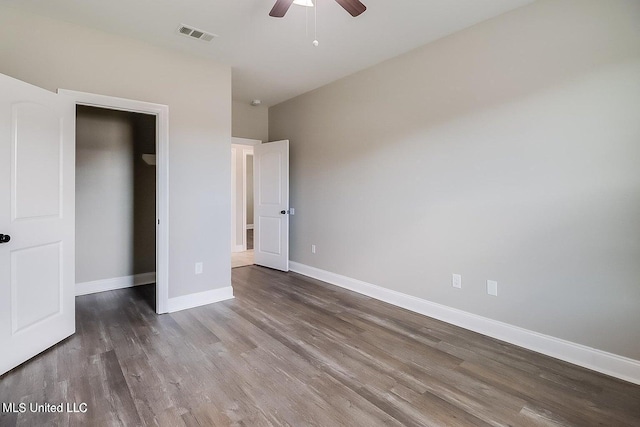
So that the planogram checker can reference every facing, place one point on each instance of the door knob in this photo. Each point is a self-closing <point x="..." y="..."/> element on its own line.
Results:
<point x="283" y="212"/>
<point x="4" y="238"/>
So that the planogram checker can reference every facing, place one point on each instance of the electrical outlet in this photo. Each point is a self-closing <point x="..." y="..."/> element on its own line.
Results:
<point x="456" y="281"/>
<point x="492" y="287"/>
<point x="198" y="268"/>
<point x="313" y="249"/>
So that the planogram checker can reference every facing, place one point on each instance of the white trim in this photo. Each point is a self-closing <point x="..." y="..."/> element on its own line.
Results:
<point x="244" y="150"/>
<point x="245" y="141"/>
<point x="607" y="363"/>
<point x="162" y="177"/>
<point x="245" y="153"/>
<point x="244" y="198"/>
<point x="103" y="285"/>
<point x="198" y="299"/>
<point x="249" y="226"/>
<point x="234" y="201"/>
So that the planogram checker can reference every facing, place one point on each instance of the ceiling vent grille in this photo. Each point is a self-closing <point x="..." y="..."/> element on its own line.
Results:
<point x="188" y="31"/>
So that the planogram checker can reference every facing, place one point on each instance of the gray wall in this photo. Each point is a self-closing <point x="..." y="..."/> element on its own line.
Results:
<point x="115" y="194"/>
<point x="250" y="122"/>
<point x="508" y="151"/>
<point x="55" y="54"/>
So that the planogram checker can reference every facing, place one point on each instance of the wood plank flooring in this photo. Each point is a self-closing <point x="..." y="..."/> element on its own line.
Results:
<point x="242" y="259"/>
<point x="290" y="350"/>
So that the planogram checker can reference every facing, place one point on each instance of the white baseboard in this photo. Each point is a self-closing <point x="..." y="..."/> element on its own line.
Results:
<point x="249" y="226"/>
<point x="103" y="285"/>
<point x="237" y="248"/>
<point x="201" y="298"/>
<point x="607" y="363"/>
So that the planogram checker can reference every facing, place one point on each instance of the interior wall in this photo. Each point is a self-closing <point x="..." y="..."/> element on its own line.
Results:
<point x="115" y="194"/>
<point x="55" y="54"/>
<point x="508" y="151"/>
<point x="249" y="121"/>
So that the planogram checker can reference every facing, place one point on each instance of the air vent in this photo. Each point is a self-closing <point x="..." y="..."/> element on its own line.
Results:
<point x="195" y="33"/>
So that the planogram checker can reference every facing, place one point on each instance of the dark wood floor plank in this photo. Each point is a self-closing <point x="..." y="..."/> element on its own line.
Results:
<point x="291" y="350"/>
<point x="578" y="410"/>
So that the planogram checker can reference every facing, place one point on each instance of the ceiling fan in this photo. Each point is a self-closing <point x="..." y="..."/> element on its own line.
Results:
<point x="354" y="7"/>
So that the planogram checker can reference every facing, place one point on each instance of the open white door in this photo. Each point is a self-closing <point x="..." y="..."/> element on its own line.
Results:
<point x="37" y="211"/>
<point x="271" y="204"/>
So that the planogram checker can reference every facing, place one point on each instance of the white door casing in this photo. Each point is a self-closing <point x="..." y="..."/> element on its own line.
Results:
<point x="240" y="148"/>
<point x="37" y="209"/>
<point x="235" y="245"/>
<point x="162" y="176"/>
<point x="271" y="205"/>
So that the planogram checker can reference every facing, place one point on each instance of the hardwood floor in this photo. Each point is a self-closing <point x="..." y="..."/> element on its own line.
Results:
<point x="242" y="259"/>
<point x="290" y="350"/>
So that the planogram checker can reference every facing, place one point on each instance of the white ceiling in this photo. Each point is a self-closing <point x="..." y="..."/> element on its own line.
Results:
<point x="273" y="59"/>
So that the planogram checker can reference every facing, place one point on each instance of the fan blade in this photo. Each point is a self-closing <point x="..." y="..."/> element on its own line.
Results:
<point x="354" y="7"/>
<point x="280" y="8"/>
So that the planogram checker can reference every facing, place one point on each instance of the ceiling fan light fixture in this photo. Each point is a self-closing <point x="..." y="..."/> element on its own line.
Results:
<point x="307" y="3"/>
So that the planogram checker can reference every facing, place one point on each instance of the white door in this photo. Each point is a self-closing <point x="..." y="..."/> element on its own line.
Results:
<point x="271" y="205"/>
<point x="37" y="202"/>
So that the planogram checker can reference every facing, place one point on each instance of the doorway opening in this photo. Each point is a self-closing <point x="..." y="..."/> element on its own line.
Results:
<point x="242" y="224"/>
<point x="148" y="116"/>
<point x="115" y="201"/>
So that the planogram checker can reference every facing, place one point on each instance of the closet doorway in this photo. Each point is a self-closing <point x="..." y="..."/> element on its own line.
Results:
<point x="121" y="196"/>
<point x="115" y="200"/>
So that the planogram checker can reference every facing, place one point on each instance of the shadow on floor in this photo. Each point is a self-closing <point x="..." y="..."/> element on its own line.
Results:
<point x="146" y="294"/>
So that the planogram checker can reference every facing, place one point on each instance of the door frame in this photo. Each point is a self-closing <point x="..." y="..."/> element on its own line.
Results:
<point x="162" y="176"/>
<point x="242" y="146"/>
<point x="246" y="152"/>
